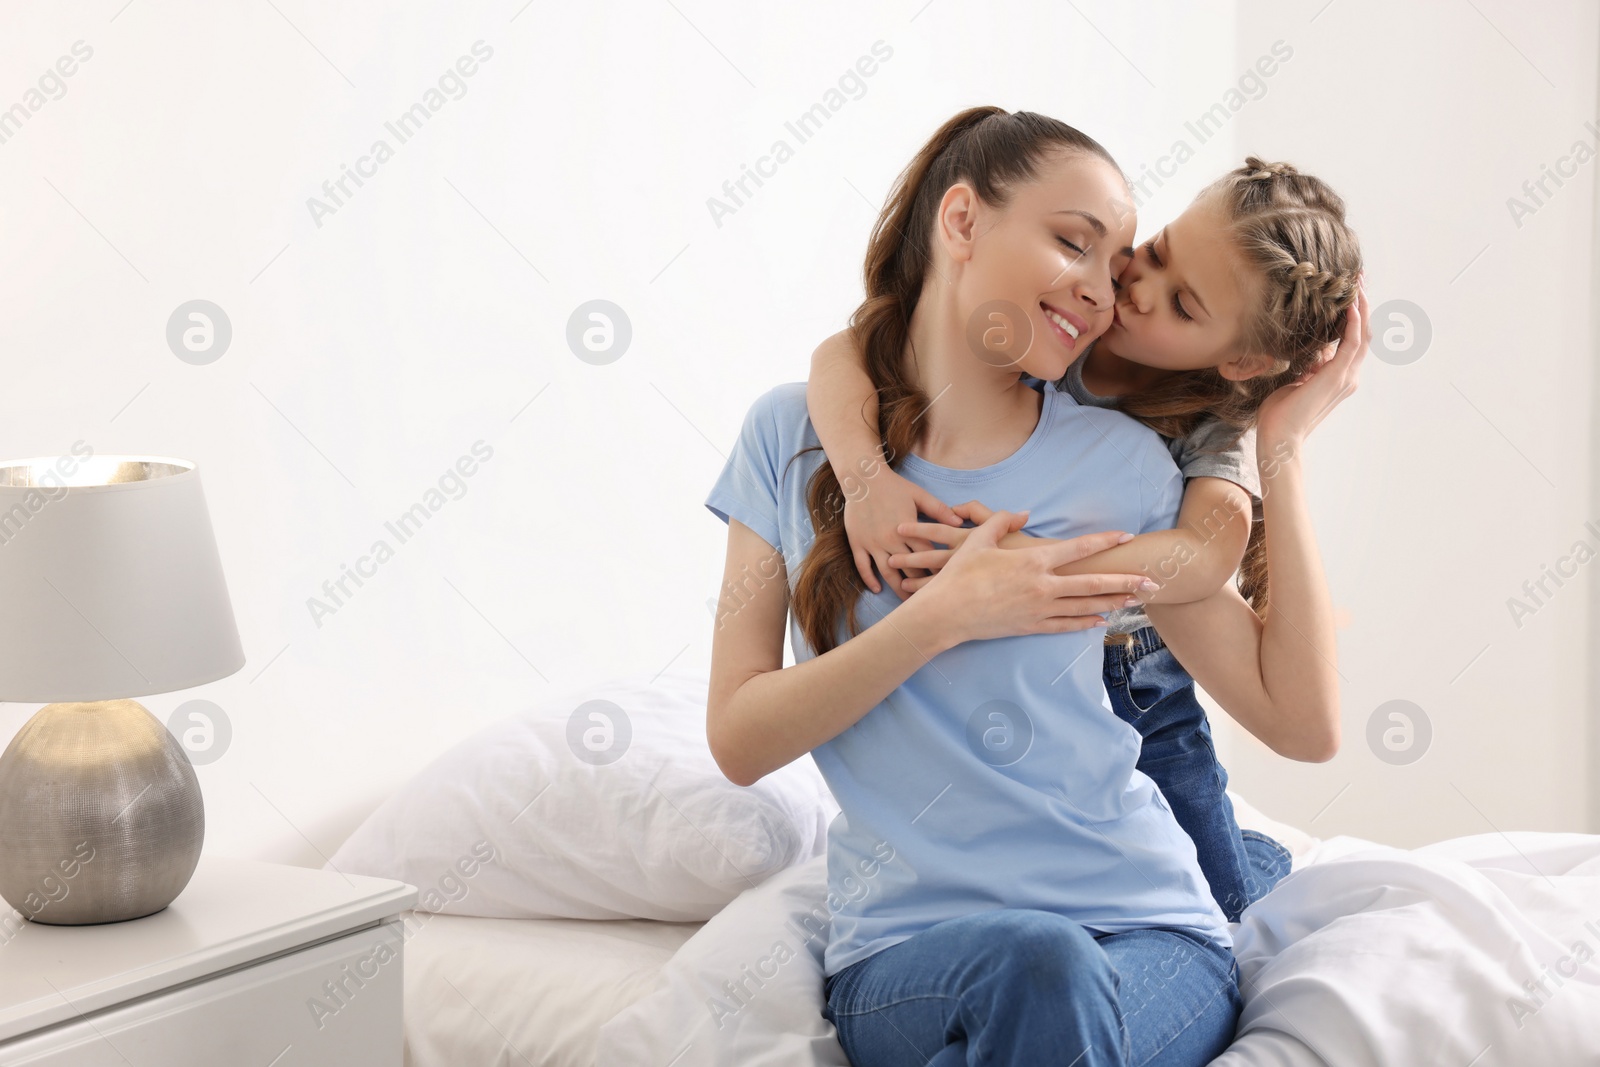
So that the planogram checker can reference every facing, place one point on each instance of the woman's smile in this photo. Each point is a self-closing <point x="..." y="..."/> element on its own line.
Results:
<point x="1064" y="324"/>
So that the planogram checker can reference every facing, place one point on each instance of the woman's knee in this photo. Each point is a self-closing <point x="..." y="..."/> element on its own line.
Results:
<point x="1039" y="949"/>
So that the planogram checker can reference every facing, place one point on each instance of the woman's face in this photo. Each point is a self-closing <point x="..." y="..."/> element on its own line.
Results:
<point x="1184" y="297"/>
<point x="1051" y="254"/>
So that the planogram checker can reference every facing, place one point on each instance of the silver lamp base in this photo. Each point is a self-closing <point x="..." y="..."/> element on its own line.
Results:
<point x="100" y="815"/>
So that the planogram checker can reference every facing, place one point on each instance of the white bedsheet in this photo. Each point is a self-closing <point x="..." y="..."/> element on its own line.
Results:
<point x="1480" y="950"/>
<point x="524" y="991"/>
<point x="1365" y="956"/>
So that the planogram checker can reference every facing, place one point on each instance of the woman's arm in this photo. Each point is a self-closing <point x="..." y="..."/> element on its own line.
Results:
<point x="1277" y="676"/>
<point x="761" y="715"/>
<point x="843" y="405"/>
<point x="1189" y="562"/>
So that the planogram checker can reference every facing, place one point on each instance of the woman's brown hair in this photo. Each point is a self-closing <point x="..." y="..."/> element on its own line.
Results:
<point x="1291" y="230"/>
<point x="993" y="150"/>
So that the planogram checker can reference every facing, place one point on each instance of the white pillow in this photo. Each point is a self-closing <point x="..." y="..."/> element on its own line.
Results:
<point x="605" y="804"/>
<point x="744" y="991"/>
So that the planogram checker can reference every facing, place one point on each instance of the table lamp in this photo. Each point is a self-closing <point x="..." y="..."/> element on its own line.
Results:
<point x="110" y="588"/>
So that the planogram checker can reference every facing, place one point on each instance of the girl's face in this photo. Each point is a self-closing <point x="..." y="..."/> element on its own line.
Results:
<point x="1049" y="256"/>
<point x="1184" y="298"/>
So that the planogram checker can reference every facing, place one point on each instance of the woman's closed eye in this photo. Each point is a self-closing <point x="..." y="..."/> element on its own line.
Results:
<point x="1070" y="245"/>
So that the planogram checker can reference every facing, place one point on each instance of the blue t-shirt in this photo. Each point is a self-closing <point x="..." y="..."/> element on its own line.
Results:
<point x="997" y="775"/>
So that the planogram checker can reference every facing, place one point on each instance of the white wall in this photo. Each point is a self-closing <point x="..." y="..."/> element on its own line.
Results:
<point x="371" y="352"/>
<point x="1592" y="704"/>
<point x="429" y="312"/>
<point x="1446" y="483"/>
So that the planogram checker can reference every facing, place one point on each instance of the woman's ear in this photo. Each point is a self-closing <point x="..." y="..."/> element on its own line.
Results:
<point x="958" y="220"/>
<point x="1250" y="365"/>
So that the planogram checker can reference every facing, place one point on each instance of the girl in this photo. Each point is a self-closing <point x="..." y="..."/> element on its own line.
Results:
<point x="1262" y="262"/>
<point x="1004" y="883"/>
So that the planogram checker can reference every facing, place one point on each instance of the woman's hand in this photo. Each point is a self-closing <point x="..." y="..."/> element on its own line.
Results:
<point x="985" y="591"/>
<point x="872" y="521"/>
<point x="1294" y="410"/>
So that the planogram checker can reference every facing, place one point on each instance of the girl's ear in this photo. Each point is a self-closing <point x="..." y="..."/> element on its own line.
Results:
<point x="958" y="220"/>
<point x="1250" y="365"/>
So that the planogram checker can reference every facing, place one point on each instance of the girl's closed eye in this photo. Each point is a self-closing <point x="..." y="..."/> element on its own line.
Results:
<point x="1177" y="304"/>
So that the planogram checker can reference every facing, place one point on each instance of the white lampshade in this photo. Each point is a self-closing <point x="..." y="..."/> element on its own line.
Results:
<point x="110" y="581"/>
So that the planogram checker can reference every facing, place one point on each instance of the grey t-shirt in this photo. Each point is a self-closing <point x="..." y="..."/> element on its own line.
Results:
<point x="1209" y="451"/>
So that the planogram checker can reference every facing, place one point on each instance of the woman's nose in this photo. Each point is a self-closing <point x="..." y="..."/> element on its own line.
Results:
<point x="1098" y="293"/>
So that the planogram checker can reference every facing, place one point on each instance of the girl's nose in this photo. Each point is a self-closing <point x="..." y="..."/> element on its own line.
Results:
<point x="1136" y="294"/>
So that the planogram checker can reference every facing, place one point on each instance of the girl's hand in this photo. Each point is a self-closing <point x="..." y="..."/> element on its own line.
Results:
<point x="1294" y="410"/>
<point x="975" y="511"/>
<point x="932" y="560"/>
<point x="923" y="564"/>
<point x="985" y="591"/>
<point x="871" y="524"/>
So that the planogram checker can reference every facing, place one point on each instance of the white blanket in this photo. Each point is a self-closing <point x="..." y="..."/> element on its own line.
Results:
<point x="1365" y="956"/>
<point x="1480" y="950"/>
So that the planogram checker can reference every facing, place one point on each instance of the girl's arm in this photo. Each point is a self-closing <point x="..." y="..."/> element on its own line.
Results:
<point x="1277" y="676"/>
<point x="843" y="405"/>
<point x="1195" y="558"/>
<point x="761" y="715"/>
<point x="1189" y="562"/>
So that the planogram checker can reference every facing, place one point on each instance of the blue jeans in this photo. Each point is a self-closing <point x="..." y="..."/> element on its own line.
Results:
<point x="1018" y="987"/>
<point x="1151" y="692"/>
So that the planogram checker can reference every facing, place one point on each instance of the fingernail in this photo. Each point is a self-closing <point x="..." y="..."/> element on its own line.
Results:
<point x="1125" y="538"/>
<point x="1147" y="586"/>
<point x="1130" y="602"/>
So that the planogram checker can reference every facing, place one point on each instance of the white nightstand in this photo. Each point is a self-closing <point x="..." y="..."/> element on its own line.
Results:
<point x="253" y="965"/>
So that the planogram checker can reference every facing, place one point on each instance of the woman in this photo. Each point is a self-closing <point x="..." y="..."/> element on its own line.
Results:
<point x="1005" y="884"/>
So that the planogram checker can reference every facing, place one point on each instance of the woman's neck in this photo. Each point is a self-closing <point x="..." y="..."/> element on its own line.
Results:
<point x="1107" y="374"/>
<point x="978" y="414"/>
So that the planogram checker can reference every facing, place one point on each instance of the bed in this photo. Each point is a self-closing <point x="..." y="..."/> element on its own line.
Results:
<point x="572" y="948"/>
<point x="482" y="991"/>
<point x="526" y="991"/>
